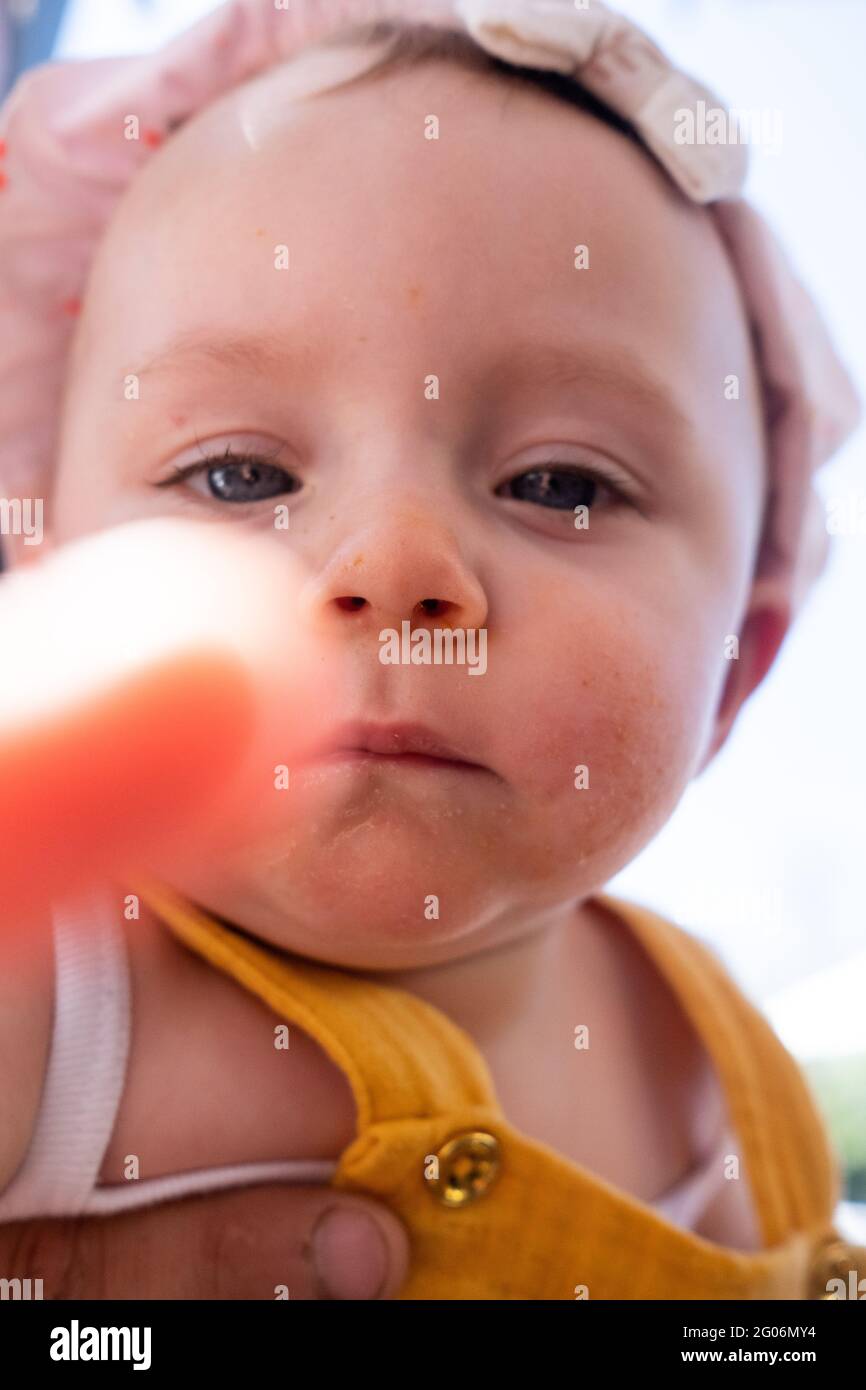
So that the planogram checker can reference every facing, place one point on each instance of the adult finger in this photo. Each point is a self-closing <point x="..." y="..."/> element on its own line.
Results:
<point x="142" y="667"/>
<point x="254" y="1243"/>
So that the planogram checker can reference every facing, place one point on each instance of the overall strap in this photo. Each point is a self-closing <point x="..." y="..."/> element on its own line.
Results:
<point x="792" y="1167"/>
<point x="402" y="1058"/>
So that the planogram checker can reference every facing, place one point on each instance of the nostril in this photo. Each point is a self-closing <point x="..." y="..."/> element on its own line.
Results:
<point x="430" y="607"/>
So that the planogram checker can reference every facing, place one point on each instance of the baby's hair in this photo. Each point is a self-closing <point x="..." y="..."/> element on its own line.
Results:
<point x="404" y="43"/>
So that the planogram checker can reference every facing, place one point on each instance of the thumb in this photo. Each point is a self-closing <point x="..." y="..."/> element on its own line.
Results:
<point x="254" y="1243"/>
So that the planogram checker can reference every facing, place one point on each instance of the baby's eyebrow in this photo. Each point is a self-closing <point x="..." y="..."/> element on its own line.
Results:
<point x="612" y="369"/>
<point x="253" y="353"/>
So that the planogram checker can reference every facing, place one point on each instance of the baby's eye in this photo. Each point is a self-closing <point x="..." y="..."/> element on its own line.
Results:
<point x="558" y="487"/>
<point x="231" y="477"/>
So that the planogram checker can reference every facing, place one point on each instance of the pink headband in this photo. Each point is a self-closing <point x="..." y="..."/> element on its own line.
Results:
<point x="64" y="161"/>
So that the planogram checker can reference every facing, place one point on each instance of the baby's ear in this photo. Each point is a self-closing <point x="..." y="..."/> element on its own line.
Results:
<point x="762" y="632"/>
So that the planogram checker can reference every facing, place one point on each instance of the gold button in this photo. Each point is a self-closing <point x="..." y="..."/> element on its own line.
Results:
<point x="833" y="1261"/>
<point x="468" y="1164"/>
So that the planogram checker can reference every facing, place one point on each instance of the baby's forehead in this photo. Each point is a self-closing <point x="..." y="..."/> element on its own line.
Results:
<point x="492" y="165"/>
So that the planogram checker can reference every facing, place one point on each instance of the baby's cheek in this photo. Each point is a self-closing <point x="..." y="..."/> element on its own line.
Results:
<point x="613" y="737"/>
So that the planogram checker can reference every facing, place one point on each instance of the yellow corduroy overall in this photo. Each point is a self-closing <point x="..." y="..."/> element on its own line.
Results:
<point x="493" y="1214"/>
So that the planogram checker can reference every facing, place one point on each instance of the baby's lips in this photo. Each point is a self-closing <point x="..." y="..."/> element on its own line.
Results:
<point x="140" y="673"/>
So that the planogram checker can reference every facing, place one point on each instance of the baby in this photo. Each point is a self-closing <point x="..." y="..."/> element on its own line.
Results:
<point x="451" y="336"/>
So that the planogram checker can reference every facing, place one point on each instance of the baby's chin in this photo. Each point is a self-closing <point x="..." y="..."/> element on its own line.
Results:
<point x="383" y="893"/>
<point x="384" y="917"/>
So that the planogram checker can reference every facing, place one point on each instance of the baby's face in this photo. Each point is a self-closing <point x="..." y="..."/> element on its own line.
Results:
<point x="433" y="388"/>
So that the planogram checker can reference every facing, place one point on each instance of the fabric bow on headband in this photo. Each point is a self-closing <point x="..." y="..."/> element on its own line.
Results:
<point x="64" y="162"/>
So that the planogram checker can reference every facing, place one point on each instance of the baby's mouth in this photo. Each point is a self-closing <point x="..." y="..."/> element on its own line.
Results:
<point x="402" y="760"/>
<point x="403" y="745"/>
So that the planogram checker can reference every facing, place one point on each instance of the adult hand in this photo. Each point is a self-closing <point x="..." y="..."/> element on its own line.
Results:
<point x="244" y="1244"/>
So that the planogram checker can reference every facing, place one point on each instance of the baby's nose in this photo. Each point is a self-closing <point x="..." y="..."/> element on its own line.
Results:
<point x="399" y="567"/>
